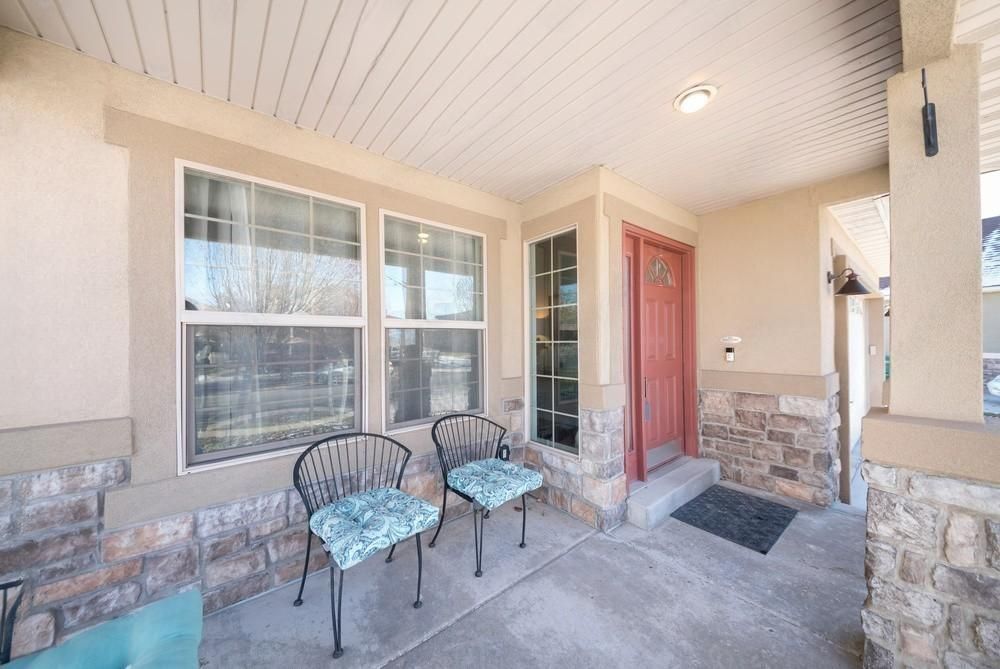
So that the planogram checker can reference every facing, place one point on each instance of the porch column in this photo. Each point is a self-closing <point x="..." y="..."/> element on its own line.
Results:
<point x="937" y="364"/>
<point x="933" y="468"/>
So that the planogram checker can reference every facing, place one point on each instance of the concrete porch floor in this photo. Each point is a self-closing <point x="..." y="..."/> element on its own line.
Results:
<point x="674" y="596"/>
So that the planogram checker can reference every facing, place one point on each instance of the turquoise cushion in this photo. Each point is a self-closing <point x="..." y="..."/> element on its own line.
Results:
<point x="163" y="635"/>
<point x="492" y="482"/>
<point x="356" y="527"/>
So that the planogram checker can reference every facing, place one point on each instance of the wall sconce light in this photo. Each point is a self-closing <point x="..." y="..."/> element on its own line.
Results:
<point x="852" y="286"/>
<point x="930" y="120"/>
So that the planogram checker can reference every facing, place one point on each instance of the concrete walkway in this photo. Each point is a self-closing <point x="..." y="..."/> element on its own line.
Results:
<point x="672" y="597"/>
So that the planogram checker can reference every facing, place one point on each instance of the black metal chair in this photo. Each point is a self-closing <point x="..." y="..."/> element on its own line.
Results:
<point x="475" y="464"/>
<point x="358" y="476"/>
<point x="8" y="613"/>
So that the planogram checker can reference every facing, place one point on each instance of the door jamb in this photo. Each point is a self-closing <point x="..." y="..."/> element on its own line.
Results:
<point x="689" y="349"/>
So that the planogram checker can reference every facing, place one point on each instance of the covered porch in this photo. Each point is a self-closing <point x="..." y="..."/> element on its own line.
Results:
<point x="675" y="596"/>
<point x="654" y="249"/>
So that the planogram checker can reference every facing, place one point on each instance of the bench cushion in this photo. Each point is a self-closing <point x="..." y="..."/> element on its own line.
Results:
<point x="162" y="635"/>
<point x="357" y="527"/>
<point x="492" y="482"/>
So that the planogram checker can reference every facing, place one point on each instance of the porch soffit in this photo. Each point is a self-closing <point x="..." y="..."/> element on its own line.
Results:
<point x="979" y="21"/>
<point x="511" y="97"/>
<point x="867" y="223"/>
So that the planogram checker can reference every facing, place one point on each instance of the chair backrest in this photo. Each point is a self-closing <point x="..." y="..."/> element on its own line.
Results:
<point x="347" y="464"/>
<point x="9" y="604"/>
<point x="462" y="438"/>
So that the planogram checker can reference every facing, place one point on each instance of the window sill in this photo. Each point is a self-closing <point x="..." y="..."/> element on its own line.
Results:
<point x="552" y="449"/>
<point x="246" y="459"/>
<point x="425" y="426"/>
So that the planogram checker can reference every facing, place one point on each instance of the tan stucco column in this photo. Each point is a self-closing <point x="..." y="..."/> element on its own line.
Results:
<point x="931" y="464"/>
<point x="936" y="335"/>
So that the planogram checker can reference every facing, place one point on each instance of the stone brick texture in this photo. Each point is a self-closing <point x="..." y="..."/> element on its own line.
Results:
<point x="932" y="564"/>
<point x="78" y="573"/>
<point x="783" y="444"/>
<point x="592" y="485"/>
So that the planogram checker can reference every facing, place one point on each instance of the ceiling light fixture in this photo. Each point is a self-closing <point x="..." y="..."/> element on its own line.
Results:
<point x="695" y="98"/>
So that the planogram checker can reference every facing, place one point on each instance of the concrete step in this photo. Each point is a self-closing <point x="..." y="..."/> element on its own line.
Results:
<point x="650" y="505"/>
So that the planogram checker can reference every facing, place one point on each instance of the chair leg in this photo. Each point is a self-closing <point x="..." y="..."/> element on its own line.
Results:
<point x="336" y="600"/>
<point x="444" y="506"/>
<point x="477" y="528"/>
<point x="305" y="570"/>
<point x="524" y="518"/>
<point x="391" y="551"/>
<point x="420" y="572"/>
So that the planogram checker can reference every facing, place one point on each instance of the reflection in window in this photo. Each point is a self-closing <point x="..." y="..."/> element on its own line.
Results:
<point x="253" y="249"/>
<point x="432" y="372"/>
<point x="432" y="273"/>
<point x="434" y="276"/>
<point x="252" y="388"/>
<point x="271" y="319"/>
<point x="554" y="331"/>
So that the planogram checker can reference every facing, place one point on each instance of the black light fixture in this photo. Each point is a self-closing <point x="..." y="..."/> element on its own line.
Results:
<point x="852" y="286"/>
<point x="930" y="120"/>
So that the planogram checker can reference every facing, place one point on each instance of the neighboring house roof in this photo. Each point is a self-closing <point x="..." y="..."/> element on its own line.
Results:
<point x="991" y="252"/>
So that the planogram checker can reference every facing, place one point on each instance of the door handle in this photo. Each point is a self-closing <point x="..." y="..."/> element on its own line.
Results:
<point x="646" y="409"/>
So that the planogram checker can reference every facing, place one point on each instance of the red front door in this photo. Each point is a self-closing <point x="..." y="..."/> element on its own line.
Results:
<point x="662" y="366"/>
<point x="659" y="351"/>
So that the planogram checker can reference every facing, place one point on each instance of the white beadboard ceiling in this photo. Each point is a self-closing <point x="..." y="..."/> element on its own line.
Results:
<point x="867" y="223"/>
<point x="512" y="96"/>
<point x="979" y="21"/>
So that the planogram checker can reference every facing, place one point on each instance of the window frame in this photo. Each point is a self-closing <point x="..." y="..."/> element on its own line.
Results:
<point x="183" y="318"/>
<point x="386" y="323"/>
<point x="529" y="344"/>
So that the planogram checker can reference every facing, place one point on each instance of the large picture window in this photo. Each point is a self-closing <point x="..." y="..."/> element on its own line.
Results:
<point x="554" y="360"/>
<point x="272" y="316"/>
<point x="434" y="306"/>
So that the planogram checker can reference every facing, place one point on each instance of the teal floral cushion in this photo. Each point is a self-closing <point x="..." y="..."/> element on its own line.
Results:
<point x="492" y="482"/>
<point x="357" y="527"/>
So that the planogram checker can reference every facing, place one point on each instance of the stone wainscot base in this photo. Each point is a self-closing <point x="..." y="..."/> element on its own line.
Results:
<point x="933" y="570"/>
<point x="784" y="444"/>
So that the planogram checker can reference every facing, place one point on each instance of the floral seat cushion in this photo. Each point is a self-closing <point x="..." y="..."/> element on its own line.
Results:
<point x="492" y="482"/>
<point x="357" y="527"/>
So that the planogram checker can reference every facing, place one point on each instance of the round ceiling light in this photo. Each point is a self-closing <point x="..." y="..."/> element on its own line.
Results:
<point x="695" y="98"/>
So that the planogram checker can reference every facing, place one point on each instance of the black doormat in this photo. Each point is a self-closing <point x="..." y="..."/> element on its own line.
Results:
<point x="744" y="519"/>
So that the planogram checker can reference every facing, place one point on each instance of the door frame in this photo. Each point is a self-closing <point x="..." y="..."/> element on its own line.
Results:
<point x="630" y="327"/>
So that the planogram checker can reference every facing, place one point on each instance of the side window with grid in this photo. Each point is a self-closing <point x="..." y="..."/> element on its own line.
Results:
<point x="271" y="320"/>
<point x="554" y="332"/>
<point x="434" y="304"/>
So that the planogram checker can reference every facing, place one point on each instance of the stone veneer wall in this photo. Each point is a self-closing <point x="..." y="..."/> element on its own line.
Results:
<point x="591" y="486"/>
<point x="933" y="570"/>
<point x="79" y="573"/>
<point x="784" y="444"/>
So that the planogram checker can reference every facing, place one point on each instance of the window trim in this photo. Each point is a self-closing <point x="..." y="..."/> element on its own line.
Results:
<point x="408" y="323"/>
<point x="529" y="347"/>
<point x="183" y="317"/>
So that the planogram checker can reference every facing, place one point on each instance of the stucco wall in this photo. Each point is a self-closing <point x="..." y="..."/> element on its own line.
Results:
<point x="88" y="237"/>
<point x="65" y="232"/>
<point x="936" y="244"/>
<point x="762" y="277"/>
<point x="65" y="330"/>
